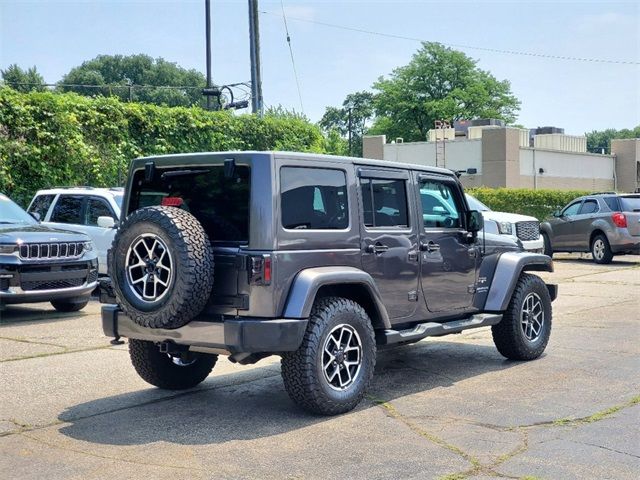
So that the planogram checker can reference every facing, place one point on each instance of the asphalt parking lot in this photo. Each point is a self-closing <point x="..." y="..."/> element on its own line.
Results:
<point x="72" y="406"/>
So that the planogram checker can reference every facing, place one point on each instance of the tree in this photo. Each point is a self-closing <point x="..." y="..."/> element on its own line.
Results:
<point x="23" y="80"/>
<point x="133" y="78"/>
<point x="438" y="84"/>
<point x="600" y="141"/>
<point x="349" y="121"/>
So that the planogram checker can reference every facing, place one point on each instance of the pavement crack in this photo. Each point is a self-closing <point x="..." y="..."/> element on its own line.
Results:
<point x="34" y="342"/>
<point x="51" y="354"/>
<point x="606" y="448"/>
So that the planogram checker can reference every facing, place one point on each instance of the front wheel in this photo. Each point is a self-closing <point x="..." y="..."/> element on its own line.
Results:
<point x="331" y="371"/>
<point x="525" y="328"/>
<point x="166" y="371"/>
<point x="69" y="305"/>
<point x="600" y="250"/>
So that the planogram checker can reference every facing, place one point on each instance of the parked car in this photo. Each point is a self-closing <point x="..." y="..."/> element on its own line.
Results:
<point x="604" y="224"/>
<point x="524" y="228"/>
<point x="43" y="264"/>
<point x="318" y="259"/>
<point x="93" y="211"/>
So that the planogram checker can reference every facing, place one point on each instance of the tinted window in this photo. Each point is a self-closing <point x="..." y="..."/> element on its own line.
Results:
<point x="10" y="212"/>
<point x="384" y="203"/>
<point x="219" y="203"/>
<point x="439" y="209"/>
<point x="313" y="198"/>
<point x="630" y="204"/>
<point x="96" y="207"/>
<point x="67" y="209"/>
<point x="475" y="204"/>
<point x="612" y="203"/>
<point x="41" y="204"/>
<point x="571" y="209"/>
<point x="589" y="206"/>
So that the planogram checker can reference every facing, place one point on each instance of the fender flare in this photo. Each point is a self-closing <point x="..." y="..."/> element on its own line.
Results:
<point x="506" y="275"/>
<point x="305" y="287"/>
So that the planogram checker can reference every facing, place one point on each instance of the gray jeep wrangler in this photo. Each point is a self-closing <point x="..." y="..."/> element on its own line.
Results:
<point x="321" y="260"/>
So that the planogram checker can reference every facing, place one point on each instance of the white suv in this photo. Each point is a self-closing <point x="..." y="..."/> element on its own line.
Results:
<point x="94" y="211"/>
<point x="522" y="227"/>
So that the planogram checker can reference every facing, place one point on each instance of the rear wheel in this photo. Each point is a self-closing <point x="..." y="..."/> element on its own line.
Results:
<point x="166" y="371"/>
<point x="331" y="371"/>
<point x="600" y="249"/>
<point x="525" y="328"/>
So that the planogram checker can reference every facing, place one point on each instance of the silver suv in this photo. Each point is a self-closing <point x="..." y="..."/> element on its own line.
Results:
<point x="318" y="259"/>
<point x="604" y="224"/>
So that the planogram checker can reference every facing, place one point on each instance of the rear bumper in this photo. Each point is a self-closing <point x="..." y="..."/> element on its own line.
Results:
<point x="621" y="241"/>
<point x="232" y="336"/>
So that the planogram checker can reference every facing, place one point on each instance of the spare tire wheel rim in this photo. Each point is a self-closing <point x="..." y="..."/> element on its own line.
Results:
<point x="149" y="268"/>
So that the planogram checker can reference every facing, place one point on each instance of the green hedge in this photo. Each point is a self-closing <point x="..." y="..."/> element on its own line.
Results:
<point x="52" y="139"/>
<point x="537" y="203"/>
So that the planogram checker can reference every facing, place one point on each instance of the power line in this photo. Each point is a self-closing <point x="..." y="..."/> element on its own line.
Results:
<point x="464" y="47"/>
<point x="293" y="62"/>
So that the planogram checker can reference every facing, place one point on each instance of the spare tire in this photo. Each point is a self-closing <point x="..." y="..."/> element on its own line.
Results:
<point x="161" y="264"/>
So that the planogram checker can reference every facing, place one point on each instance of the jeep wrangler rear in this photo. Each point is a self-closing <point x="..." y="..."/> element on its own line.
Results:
<point x="318" y="259"/>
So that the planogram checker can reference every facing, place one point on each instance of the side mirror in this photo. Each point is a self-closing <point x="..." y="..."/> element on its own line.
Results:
<point x="557" y="213"/>
<point x="35" y="215"/>
<point x="475" y="221"/>
<point x="106" y="222"/>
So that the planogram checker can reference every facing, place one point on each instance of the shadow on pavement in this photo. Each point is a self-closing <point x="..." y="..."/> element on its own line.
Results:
<point x="23" y="314"/>
<point x="249" y="408"/>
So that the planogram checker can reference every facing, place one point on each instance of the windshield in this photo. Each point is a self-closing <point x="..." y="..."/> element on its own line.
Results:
<point x="630" y="204"/>
<point x="118" y="198"/>
<point x="475" y="204"/>
<point x="11" y="213"/>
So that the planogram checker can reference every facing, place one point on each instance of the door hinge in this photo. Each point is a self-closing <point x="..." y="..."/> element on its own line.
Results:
<point x="413" y="296"/>
<point x="471" y="289"/>
<point x="413" y="256"/>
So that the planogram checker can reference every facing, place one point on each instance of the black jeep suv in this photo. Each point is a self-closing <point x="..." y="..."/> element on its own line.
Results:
<point x="318" y="259"/>
<point x="42" y="264"/>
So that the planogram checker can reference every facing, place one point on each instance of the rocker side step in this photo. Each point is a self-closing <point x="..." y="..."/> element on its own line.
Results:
<point x="431" y="329"/>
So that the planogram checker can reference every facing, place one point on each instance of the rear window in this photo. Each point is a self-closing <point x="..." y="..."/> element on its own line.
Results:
<point x="630" y="204"/>
<point x="612" y="203"/>
<point x="219" y="203"/>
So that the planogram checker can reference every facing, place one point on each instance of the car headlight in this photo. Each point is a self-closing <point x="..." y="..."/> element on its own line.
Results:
<point x="505" y="228"/>
<point x="88" y="246"/>
<point x="8" y="248"/>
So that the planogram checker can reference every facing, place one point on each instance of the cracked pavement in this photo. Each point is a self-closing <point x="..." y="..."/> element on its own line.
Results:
<point x="448" y="407"/>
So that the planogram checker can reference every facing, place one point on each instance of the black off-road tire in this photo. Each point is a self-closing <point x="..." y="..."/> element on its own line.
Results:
<point x="607" y="254"/>
<point x="548" y="249"/>
<point x="302" y="370"/>
<point x="68" y="306"/>
<point x="192" y="258"/>
<point x="160" y="370"/>
<point x="508" y="335"/>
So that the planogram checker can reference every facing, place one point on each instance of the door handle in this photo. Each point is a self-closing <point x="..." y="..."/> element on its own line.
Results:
<point x="377" y="248"/>
<point x="429" y="247"/>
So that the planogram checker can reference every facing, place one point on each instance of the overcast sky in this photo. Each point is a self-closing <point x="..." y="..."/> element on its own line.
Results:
<point x="578" y="95"/>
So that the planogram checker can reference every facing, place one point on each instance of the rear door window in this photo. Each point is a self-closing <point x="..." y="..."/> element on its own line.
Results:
<point x="67" y="209"/>
<point x="384" y="203"/>
<point x="96" y="207"/>
<point x="589" y="206"/>
<point x="612" y="203"/>
<point x="41" y="204"/>
<point x="313" y="198"/>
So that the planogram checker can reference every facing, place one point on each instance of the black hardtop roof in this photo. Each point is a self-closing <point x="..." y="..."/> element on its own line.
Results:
<point x="202" y="157"/>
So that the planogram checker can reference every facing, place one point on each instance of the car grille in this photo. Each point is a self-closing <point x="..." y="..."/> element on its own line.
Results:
<point x="52" y="284"/>
<point x="36" y="251"/>
<point x="528" y="230"/>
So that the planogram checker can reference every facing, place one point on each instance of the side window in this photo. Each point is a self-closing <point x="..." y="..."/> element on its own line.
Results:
<point x="384" y="203"/>
<point x="67" y="209"/>
<point x="612" y="203"/>
<point x="439" y="206"/>
<point x="589" y="206"/>
<point x="41" y="204"/>
<point x="96" y="207"/>
<point x="313" y="198"/>
<point x="571" y="209"/>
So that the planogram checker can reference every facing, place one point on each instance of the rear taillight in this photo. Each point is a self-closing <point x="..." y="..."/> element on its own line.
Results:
<point x="172" y="202"/>
<point x="619" y="219"/>
<point x="260" y="269"/>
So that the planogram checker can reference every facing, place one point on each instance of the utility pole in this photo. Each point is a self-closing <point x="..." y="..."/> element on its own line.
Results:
<point x="207" y="10"/>
<point x="350" y="135"/>
<point x="254" y="52"/>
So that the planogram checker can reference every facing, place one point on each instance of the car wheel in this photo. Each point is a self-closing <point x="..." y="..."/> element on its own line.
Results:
<point x="166" y="371"/>
<point x="331" y="371"/>
<point x="161" y="262"/>
<point x="600" y="249"/>
<point x="68" y="306"/>
<point x="548" y="250"/>
<point x="525" y="328"/>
